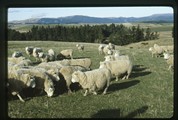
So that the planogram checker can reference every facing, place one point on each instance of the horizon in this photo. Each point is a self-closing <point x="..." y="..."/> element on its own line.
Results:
<point x="100" y="12"/>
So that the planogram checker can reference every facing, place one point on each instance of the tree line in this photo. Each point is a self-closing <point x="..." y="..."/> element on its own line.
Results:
<point x="116" y="34"/>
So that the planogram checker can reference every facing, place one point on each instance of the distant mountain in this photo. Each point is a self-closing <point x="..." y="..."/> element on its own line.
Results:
<point x="77" y="19"/>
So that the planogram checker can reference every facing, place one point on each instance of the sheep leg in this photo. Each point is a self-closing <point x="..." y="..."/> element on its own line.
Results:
<point x="20" y="98"/>
<point x="86" y="91"/>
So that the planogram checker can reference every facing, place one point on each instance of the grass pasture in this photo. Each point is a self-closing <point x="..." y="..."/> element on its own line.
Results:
<point x="148" y="93"/>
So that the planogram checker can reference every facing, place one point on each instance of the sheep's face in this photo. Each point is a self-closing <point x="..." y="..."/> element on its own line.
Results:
<point x="75" y="77"/>
<point x="49" y="89"/>
<point x="30" y="80"/>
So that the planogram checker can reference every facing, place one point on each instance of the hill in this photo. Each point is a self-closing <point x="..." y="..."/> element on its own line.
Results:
<point x="77" y="19"/>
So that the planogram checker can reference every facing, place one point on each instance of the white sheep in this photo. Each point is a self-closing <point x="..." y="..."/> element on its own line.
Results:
<point x="66" y="72"/>
<point x="106" y="49"/>
<point x="65" y="54"/>
<point x="94" y="80"/>
<point x="20" y="61"/>
<point x="36" y="53"/>
<point x="85" y="62"/>
<point x="43" y="57"/>
<point x="118" y="68"/>
<point x="169" y="59"/>
<point x="111" y="46"/>
<point x="80" y="47"/>
<point x="100" y="48"/>
<point x="17" y="81"/>
<point x="17" y="54"/>
<point x="52" y="55"/>
<point x="29" y="50"/>
<point x="43" y="81"/>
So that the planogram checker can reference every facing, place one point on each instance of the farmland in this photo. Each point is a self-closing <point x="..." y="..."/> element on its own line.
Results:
<point x="148" y="93"/>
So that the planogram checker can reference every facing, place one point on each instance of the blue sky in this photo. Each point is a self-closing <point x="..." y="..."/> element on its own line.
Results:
<point x="26" y="13"/>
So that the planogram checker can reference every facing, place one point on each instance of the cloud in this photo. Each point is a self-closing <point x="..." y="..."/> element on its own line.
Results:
<point x="40" y="15"/>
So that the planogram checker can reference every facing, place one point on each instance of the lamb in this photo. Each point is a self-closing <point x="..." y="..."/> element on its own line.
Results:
<point x="94" y="80"/>
<point x="18" y="81"/>
<point x="17" y="54"/>
<point x="43" y="81"/>
<point x="155" y="52"/>
<point x="80" y="47"/>
<point x="118" y="68"/>
<point x="66" y="72"/>
<point x="29" y="50"/>
<point x="65" y="54"/>
<point x="100" y="49"/>
<point x="170" y="60"/>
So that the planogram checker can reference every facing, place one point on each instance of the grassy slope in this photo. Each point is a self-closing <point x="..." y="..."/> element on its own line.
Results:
<point x="148" y="93"/>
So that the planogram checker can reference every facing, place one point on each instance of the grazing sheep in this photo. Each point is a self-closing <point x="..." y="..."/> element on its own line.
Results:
<point x="154" y="52"/>
<point x="43" y="81"/>
<point x="169" y="59"/>
<point x="100" y="48"/>
<point x="93" y="80"/>
<point x="118" y="68"/>
<point x="80" y="47"/>
<point x="17" y="54"/>
<point x="36" y="53"/>
<point x="65" y="54"/>
<point x="66" y="72"/>
<point x="17" y="81"/>
<point x="29" y="50"/>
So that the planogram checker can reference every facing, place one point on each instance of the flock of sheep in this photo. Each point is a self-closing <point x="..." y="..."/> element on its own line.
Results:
<point x="166" y="51"/>
<point x="22" y="73"/>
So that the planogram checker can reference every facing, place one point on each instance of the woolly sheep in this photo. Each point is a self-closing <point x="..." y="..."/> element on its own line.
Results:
<point x="106" y="49"/>
<point x="112" y="57"/>
<point x="65" y="54"/>
<point x="158" y="50"/>
<point x="50" y="65"/>
<point x="16" y="60"/>
<point x="43" y="81"/>
<point x="29" y="50"/>
<point x="154" y="52"/>
<point x="169" y="59"/>
<point x="118" y="68"/>
<point x="100" y="48"/>
<point x="80" y="47"/>
<point x="52" y="55"/>
<point x="18" y="81"/>
<point x="17" y="54"/>
<point x="85" y="62"/>
<point x="36" y="53"/>
<point x="93" y="80"/>
<point x="111" y="46"/>
<point x="43" y="57"/>
<point x="66" y="72"/>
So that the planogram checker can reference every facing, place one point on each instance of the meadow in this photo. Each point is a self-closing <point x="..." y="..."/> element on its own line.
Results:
<point x="148" y="93"/>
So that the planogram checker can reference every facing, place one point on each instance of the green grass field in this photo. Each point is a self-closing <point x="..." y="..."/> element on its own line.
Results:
<point x="148" y="93"/>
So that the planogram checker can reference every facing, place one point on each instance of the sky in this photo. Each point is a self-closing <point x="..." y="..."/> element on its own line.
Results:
<point x="55" y="12"/>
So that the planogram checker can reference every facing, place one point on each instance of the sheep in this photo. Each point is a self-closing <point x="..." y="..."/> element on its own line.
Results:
<point x="16" y="60"/>
<point x="20" y="61"/>
<point x="118" y="68"/>
<point x="80" y="47"/>
<point x="65" y="54"/>
<point x="17" y="54"/>
<point x="43" y="81"/>
<point x="158" y="50"/>
<point x="50" y="65"/>
<point x="43" y="57"/>
<point x="154" y="52"/>
<point x="106" y="49"/>
<point x="168" y="48"/>
<point x="112" y="57"/>
<point x="29" y="50"/>
<point x="52" y="55"/>
<point x="66" y="72"/>
<point x="111" y="46"/>
<point x="18" y="81"/>
<point x="100" y="48"/>
<point x="85" y="62"/>
<point x="36" y="53"/>
<point x="169" y="59"/>
<point x="93" y="80"/>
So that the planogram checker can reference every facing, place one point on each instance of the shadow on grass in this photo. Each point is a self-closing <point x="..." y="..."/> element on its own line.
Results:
<point x="139" y="70"/>
<point x="124" y="85"/>
<point x="117" y="113"/>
